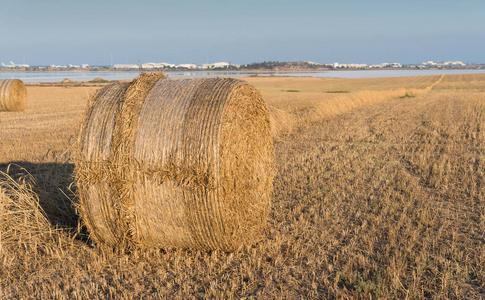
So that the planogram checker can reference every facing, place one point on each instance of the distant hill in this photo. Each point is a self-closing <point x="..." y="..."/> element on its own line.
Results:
<point x="284" y="66"/>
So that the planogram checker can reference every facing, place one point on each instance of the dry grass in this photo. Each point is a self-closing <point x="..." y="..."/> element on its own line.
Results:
<point x="43" y="131"/>
<point x="23" y="221"/>
<point x="311" y="106"/>
<point x="383" y="200"/>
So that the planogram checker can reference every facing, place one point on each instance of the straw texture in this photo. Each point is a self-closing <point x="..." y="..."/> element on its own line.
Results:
<point x="176" y="164"/>
<point x="13" y="95"/>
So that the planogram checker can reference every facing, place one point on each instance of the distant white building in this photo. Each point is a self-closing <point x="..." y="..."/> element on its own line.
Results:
<point x="429" y="63"/>
<point x="157" y="65"/>
<point x="313" y="63"/>
<point x="125" y="66"/>
<point x="387" y="65"/>
<point x="219" y="65"/>
<point x="352" y="66"/>
<point x="57" y="67"/>
<point x="456" y="63"/>
<point x="84" y="66"/>
<point x="444" y="64"/>
<point x="187" y="66"/>
<point x="74" y="66"/>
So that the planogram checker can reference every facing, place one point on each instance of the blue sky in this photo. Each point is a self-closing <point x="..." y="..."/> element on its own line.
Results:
<point x="185" y="31"/>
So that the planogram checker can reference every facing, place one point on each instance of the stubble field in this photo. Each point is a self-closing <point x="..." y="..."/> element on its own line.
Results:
<point x="379" y="194"/>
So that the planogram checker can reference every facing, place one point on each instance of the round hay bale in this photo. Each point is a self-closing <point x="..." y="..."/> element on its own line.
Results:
<point x="66" y="80"/>
<point x="13" y="95"/>
<point x="176" y="164"/>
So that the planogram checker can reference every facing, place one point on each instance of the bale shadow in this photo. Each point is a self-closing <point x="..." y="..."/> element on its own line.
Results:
<point x="53" y="183"/>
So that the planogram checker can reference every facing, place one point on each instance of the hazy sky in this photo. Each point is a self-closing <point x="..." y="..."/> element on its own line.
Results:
<point x="186" y="31"/>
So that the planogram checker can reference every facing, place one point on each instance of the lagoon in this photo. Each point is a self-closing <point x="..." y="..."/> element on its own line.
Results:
<point x="57" y="76"/>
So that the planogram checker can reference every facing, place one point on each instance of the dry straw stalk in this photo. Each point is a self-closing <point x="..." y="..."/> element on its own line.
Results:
<point x="13" y="95"/>
<point x="176" y="164"/>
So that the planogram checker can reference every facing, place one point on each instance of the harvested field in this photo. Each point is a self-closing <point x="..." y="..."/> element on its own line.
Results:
<point x="380" y="198"/>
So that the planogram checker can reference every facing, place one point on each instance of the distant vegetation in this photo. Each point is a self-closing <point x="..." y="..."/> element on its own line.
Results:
<point x="408" y="95"/>
<point x="277" y="66"/>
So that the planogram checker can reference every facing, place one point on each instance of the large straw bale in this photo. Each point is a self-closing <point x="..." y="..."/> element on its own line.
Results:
<point x="176" y="164"/>
<point x="13" y="95"/>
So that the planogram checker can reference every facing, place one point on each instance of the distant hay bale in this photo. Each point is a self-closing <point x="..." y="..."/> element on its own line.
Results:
<point x="66" y="80"/>
<point x="13" y="95"/>
<point x="98" y="80"/>
<point x="176" y="164"/>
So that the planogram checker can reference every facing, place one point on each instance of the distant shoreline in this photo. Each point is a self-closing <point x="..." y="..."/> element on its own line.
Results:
<point x="106" y="75"/>
<point x="104" y="70"/>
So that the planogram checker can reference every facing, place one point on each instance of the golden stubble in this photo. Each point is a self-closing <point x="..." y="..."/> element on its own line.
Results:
<point x="382" y="200"/>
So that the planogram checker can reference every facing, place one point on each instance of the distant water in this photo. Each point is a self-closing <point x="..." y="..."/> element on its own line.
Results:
<point x="108" y="75"/>
<point x="379" y="73"/>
